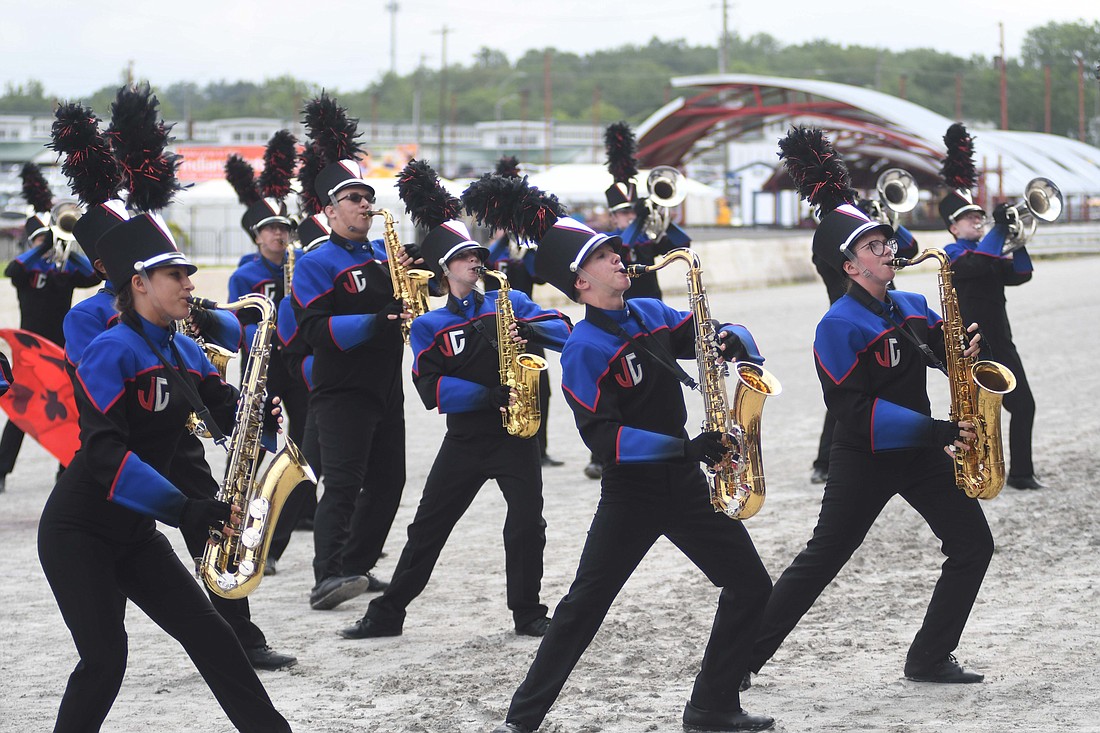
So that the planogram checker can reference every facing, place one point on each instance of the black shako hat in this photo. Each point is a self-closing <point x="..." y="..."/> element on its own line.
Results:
<point x="38" y="223"/>
<point x="96" y="222"/>
<point x="955" y="204"/>
<point x="263" y="212"/>
<point x="140" y="243"/>
<point x="312" y="231"/>
<point x="959" y="174"/>
<point x="564" y="248"/>
<point x="446" y="241"/>
<point x="839" y="230"/>
<point x="621" y="196"/>
<point x="621" y="164"/>
<point x="339" y="175"/>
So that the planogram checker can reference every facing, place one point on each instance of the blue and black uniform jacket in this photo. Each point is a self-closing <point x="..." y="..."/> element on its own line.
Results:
<point x="132" y="414"/>
<point x="297" y="354"/>
<point x="45" y="291"/>
<point x="338" y="289"/>
<point x="628" y="408"/>
<point x="455" y="366"/>
<point x="873" y="377"/>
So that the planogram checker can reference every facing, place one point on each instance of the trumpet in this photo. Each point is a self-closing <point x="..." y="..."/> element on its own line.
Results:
<point x="1042" y="202"/>
<point x="666" y="191"/>
<point x="64" y="217"/>
<point x="897" y="194"/>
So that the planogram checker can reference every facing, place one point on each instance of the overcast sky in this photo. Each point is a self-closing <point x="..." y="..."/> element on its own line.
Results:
<point x="75" y="48"/>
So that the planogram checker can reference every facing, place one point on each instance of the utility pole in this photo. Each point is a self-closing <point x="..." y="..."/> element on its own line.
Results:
<point x="442" y="98"/>
<point x="392" y="7"/>
<point x="1046" y="98"/>
<point x="723" y="47"/>
<point x="547" y="106"/>
<point x="1080" y="96"/>
<point x="958" y="96"/>
<point x="1004" y="81"/>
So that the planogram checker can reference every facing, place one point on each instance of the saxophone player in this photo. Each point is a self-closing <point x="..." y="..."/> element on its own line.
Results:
<point x="455" y="370"/>
<point x="618" y="378"/>
<point x="870" y="349"/>
<point x="98" y="541"/>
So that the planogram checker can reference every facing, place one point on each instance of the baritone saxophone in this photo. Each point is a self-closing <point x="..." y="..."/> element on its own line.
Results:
<point x="234" y="566"/>
<point x="977" y="388"/>
<point x="519" y="370"/>
<point x="737" y="487"/>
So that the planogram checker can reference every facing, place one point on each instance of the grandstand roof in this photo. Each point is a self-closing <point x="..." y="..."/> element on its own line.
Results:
<point x="872" y="130"/>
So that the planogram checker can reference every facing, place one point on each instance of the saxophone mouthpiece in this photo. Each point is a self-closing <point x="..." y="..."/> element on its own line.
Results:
<point x="203" y="303"/>
<point x="635" y="270"/>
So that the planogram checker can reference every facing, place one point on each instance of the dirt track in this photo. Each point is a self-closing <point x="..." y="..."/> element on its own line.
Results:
<point x="1033" y="630"/>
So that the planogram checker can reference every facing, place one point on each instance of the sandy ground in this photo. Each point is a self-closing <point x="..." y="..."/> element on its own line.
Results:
<point x="1033" y="631"/>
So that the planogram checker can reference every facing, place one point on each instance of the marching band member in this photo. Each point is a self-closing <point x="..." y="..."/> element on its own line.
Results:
<point x="95" y="179"/>
<point x="872" y="376"/>
<point x="98" y="540"/>
<point x="980" y="274"/>
<point x="44" y="288"/>
<point x="456" y="370"/>
<point x="630" y="411"/>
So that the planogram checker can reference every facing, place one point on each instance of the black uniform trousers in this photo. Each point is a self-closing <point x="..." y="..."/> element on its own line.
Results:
<point x="639" y="504"/>
<point x="96" y="555"/>
<point x="190" y="473"/>
<point x="461" y="468"/>
<point x="363" y="454"/>
<point x="859" y="486"/>
<point x="1020" y="404"/>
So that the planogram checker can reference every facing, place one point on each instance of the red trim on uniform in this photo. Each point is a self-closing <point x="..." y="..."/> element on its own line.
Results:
<point x="118" y="474"/>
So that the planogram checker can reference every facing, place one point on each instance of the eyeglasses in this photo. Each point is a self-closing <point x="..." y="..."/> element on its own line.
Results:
<point x="358" y="198"/>
<point x="878" y="247"/>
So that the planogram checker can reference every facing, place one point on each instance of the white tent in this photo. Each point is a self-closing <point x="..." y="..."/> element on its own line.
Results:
<point x="582" y="186"/>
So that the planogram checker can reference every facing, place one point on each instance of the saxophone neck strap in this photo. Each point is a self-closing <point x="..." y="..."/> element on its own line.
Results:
<point x="660" y="355"/>
<point x="872" y="304"/>
<point x="176" y="374"/>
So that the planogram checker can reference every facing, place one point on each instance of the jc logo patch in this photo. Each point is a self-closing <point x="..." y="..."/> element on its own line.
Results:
<point x="154" y="399"/>
<point x="454" y="343"/>
<point x="630" y="371"/>
<point x="356" y="282"/>
<point x="889" y="356"/>
<point x="269" y="290"/>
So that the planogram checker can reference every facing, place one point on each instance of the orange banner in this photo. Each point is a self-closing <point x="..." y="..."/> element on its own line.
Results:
<point x="207" y="162"/>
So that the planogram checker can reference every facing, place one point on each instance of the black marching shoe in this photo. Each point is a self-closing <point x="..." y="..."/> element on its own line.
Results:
<point x="697" y="719"/>
<point x="376" y="585"/>
<point x="946" y="670"/>
<point x="819" y="476"/>
<point x="508" y="727"/>
<point x="3" y="482"/>
<point x="593" y="470"/>
<point x="331" y="592"/>
<point x="1024" y="482"/>
<point x="369" y="628"/>
<point x="264" y="657"/>
<point x="271" y="567"/>
<point x="537" y="627"/>
<point x="547" y="461"/>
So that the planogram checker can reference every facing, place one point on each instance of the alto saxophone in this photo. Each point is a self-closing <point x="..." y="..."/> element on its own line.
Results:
<point x="409" y="285"/>
<point x="737" y="482"/>
<point x="234" y="567"/>
<point x="977" y="388"/>
<point x="518" y="370"/>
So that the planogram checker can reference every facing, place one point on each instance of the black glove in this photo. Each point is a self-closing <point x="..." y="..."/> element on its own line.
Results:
<point x="393" y="308"/>
<point x="641" y="211"/>
<point x="730" y="347"/>
<point x="945" y="433"/>
<point x="706" y="447"/>
<point x="204" y="516"/>
<point x="413" y="251"/>
<point x="1000" y="214"/>
<point x="525" y="331"/>
<point x="202" y="318"/>
<point x="500" y="396"/>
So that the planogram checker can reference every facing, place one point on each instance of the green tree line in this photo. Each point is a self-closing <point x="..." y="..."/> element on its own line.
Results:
<point x="632" y="81"/>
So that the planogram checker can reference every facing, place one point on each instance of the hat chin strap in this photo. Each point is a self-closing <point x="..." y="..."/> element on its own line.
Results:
<point x="154" y="300"/>
<point x="588" y="276"/>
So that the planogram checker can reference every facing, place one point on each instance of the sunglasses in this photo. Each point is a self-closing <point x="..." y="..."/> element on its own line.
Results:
<point x="879" y="247"/>
<point x="358" y="198"/>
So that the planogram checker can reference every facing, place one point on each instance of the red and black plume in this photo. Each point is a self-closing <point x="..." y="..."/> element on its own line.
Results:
<point x="621" y="147"/>
<point x="958" y="167"/>
<point x="280" y="159"/>
<point x="140" y="143"/>
<point x="508" y="165"/>
<point x="242" y="177"/>
<point x="35" y="189"/>
<point x="817" y="170"/>
<point x="500" y="202"/>
<point x="94" y="174"/>
<point x="426" y="200"/>
<point x="331" y="138"/>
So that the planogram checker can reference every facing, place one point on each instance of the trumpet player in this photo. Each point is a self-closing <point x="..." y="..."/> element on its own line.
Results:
<point x="980" y="274"/>
<point x="456" y="371"/>
<point x="44" y="286"/>
<point x="870" y="353"/>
